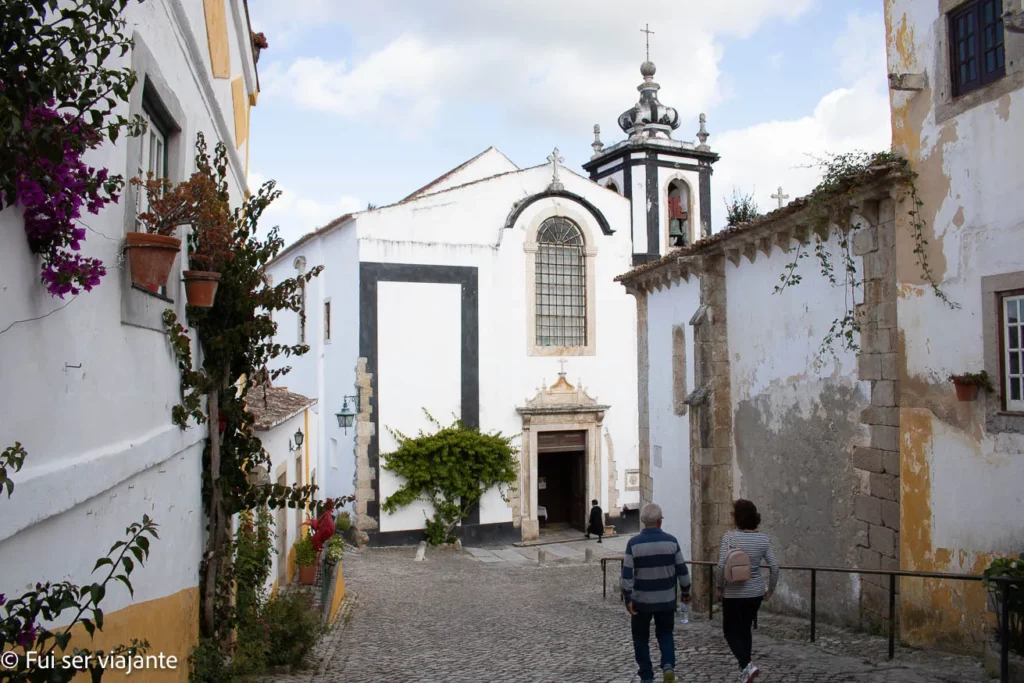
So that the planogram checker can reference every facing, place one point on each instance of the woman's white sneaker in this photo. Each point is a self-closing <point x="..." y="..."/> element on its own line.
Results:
<point x="745" y="674"/>
<point x="752" y="671"/>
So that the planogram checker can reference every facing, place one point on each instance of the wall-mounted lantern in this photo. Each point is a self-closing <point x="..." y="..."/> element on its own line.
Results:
<point x="297" y="440"/>
<point x="347" y="415"/>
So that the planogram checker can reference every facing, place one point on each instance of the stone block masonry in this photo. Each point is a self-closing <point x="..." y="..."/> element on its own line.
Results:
<point x="366" y="474"/>
<point x="877" y="506"/>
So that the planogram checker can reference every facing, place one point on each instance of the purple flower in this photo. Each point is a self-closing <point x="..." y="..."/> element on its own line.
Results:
<point x="3" y="598"/>
<point x="27" y="635"/>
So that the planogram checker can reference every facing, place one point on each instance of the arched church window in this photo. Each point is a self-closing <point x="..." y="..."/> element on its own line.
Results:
<point x="678" y="214"/>
<point x="613" y="187"/>
<point x="561" y="284"/>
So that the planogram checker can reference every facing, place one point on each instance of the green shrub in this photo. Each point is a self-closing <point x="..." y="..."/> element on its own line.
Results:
<point x="206" y="664"/>
<point x="305" y="556"/>
<point x="292" y="627"/>
<point x="344" y="522"/>
<point x="335" y="550"/>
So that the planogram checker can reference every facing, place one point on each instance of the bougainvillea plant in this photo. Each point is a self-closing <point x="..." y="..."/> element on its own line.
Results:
<point x="57" y="102"/>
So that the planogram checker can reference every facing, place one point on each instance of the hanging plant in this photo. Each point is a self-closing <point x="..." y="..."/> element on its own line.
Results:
<point x="211" y="242"/>
<point x="968" y="384"/>
<point x="57" y="102"/>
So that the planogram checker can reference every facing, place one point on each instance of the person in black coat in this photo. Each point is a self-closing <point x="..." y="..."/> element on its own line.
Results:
<point x="596" y="525"/>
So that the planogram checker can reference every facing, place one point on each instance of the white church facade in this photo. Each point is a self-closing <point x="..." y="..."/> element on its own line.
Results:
<point x="490" y="295"/>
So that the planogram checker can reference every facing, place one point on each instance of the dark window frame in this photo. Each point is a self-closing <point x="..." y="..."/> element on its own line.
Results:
<point x="1004" y="389"/>
<point x="973" y="15"/>
<point x="561" y="286"/>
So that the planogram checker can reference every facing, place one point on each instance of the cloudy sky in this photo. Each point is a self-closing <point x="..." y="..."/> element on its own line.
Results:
<point x="366" y="102"/>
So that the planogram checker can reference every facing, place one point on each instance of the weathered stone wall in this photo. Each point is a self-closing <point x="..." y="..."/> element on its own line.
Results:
<point x="877" y="506"/>
<point x="366" y="472"/>
<point x="796" y="421"/>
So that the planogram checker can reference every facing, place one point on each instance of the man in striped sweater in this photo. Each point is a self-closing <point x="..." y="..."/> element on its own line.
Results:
<point x="650" y="570"/>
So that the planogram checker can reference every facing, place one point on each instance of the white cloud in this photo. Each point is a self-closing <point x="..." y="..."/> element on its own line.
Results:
<point x="296" y="215"/>
<point x="764" y="156"/>
<point x="563" y="65"/>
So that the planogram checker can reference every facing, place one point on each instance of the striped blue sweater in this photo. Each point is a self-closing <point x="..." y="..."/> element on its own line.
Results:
<point x="652" y="566"/>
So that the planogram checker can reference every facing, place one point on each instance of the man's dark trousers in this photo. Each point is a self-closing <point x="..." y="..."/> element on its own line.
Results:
<point x="641" y="627"/>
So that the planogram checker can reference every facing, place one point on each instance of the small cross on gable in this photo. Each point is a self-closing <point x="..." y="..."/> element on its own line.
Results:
<point x="562" y="363"/>
<point x="554" y="159"/>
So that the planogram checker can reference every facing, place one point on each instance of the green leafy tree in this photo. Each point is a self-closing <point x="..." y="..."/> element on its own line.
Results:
<point x="742" y="208"/>
<point x="451" y="469"/>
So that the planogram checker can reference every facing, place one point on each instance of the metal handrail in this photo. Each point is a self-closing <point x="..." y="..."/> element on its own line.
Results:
<point x="893" y="574"/>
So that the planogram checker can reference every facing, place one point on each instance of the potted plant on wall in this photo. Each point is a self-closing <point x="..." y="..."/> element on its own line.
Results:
<point x="211" y="242"/>
<point x="259" y="43"/>
<point x="152" y="249"/>
<point x="967" y="384"/>
<point x="305" y="560"/>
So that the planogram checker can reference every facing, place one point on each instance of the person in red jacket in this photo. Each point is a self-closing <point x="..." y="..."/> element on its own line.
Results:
<point x="322" y="526"/>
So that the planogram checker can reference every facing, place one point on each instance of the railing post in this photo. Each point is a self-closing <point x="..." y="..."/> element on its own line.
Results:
<point x="711" y="591"/>
<point x="1004" y="655"/>
<point x="814" y="603"/>
<point x="892" y="616"/>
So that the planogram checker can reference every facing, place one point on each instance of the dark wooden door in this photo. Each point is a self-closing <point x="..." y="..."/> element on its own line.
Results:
<point x="578" y="491"/>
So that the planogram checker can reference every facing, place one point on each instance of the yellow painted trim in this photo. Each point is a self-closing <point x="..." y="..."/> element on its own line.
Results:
<point x="339" y="593"/>
<point x="217" y="37"/>
<point x="305" y="442"/>
<point x="238" y="101"/>
<point x="170" y="624"/>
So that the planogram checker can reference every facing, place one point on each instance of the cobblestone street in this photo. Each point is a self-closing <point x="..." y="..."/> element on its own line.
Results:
<point x="456" y="618"/>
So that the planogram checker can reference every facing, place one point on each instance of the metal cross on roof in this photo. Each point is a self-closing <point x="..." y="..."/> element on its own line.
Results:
<point x="562" y="363"/>
<point x="647" y="29"/>
<point x="555" y="160"/>
<point x="781" y="197"/>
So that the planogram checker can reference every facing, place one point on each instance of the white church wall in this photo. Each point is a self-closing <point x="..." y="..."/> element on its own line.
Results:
<point x="794" y="424"/>
<point x="465" y="227"/>
<point x="420" y="367"/>
<point x="670" y="433"/>
<point x="639" y="206"/>
<point x="491" y="162"/>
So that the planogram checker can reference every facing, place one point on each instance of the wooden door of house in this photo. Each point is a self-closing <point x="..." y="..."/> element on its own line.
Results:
<point x="578" y="491"/>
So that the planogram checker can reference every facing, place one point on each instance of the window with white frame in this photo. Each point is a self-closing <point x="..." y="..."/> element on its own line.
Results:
<point x="152" y="159"/>
<point x="1012" y="327"/>
<point x="561" y="304"/>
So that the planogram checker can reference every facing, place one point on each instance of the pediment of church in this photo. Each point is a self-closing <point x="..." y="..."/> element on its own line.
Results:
<point x="561" y="397"/>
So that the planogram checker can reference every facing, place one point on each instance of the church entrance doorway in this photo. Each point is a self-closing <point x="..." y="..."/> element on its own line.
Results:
<point x="562" y="478"/>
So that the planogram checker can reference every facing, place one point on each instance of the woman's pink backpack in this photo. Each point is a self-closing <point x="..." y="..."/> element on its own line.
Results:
<point x="737" y="564"/>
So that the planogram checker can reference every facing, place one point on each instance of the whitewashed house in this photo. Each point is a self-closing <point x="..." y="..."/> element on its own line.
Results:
<point x="282" y="420"/>
<point x="89" y="382"/>
<point x="471" y="297"/>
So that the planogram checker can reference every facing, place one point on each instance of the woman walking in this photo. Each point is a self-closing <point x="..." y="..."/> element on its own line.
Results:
<point x="741" y="584"/>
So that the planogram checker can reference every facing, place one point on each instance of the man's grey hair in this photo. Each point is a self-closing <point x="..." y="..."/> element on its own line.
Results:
<point x="650" y="514"/>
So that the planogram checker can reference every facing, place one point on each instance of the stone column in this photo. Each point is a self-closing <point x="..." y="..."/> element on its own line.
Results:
<point x="366" y="475"/>
<point x="877" y="506"/>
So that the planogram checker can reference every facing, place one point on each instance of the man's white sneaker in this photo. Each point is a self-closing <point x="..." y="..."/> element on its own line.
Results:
<point x="753" y="671"/>
<point x="745" y="674"/>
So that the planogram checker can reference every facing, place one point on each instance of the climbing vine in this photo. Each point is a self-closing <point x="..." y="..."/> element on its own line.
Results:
<point x="830" y="211"/>
<point x="237" y="339"/>
<point x="451" y="469"/>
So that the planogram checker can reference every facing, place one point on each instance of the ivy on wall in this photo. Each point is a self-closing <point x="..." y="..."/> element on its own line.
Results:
<point x="830" y="212"/>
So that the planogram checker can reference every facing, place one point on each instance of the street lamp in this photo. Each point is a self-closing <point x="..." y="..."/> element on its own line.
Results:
<point x="298" y="439"/>
<point x="346" y="416"/>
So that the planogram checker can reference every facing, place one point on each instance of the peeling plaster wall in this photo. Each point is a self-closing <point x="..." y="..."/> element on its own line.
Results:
<point x="794" y="426"/>
<point x="669" y="432"/>
<point x="961" y="462"/>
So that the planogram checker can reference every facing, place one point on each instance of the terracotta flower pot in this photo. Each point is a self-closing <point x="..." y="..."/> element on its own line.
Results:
<point x="200" y="287"/>
<point x="151" y="258"/>
<point x="307" y="575"/>
<point x="966" y="392"/>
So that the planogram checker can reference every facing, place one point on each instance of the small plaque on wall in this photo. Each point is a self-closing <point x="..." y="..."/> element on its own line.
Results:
<point x="632" y="480"/>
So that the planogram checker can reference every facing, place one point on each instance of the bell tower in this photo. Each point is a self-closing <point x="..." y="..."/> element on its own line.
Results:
<point x="668" y="181"/>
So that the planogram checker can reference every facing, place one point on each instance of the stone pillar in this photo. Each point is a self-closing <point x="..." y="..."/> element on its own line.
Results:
<point x="877" y="506"/>
<point x="711" y="448"/>
<point x="366" y="475"/>
<point x="643" y="396"/>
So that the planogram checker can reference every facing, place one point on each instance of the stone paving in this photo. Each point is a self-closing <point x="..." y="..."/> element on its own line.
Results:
<point x="467" y="616"/>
